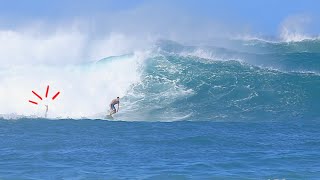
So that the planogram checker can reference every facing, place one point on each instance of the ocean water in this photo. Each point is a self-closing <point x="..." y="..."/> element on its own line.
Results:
<point x="96" y="149"/>
<point x="245" y="109"/>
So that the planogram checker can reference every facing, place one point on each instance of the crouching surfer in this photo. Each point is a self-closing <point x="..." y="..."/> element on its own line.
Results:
<point x="113" y="109"/>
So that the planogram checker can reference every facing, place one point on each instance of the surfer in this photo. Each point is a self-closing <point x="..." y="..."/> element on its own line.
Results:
<point x="112" y="104"/>
<point x="47" y="108"/>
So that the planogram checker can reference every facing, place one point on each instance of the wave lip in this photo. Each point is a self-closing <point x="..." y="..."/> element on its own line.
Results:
<point x="286" y="36"/>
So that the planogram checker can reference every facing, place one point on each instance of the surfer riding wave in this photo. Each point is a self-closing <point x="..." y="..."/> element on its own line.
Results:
<point x="113" y="109"/>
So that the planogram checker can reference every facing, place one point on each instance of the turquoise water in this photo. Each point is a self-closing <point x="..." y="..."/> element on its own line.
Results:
<point x="253" y="81"/>
<point x="96" y="149"/>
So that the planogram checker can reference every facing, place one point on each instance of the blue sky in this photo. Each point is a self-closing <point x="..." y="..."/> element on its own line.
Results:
<point x="40" y="31"/>
<point x="261" y="16"/>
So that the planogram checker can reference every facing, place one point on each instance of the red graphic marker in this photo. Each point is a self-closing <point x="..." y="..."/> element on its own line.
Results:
<point x="55" y="95"/>
<point x="33" y="102"/>
<point x="47" y="92"/>
<point x="37" y="95"/>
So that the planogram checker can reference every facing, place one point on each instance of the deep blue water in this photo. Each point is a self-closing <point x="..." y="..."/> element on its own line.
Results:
<point x="99" y="149"/>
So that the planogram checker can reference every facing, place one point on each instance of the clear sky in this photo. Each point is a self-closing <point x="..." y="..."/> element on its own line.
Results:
<point x="261" y="16"/>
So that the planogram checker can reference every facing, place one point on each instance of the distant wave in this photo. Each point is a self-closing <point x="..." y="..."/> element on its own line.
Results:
<point x="297" y="37"/>
<point x="285" y="37"/>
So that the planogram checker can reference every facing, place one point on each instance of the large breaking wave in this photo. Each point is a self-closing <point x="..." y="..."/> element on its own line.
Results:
<point x="244" y="80"/>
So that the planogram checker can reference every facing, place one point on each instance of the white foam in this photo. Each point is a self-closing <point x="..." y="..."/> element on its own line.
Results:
<point x="63" y="45"/>
<point x="289" y="36"/>
<point x="208" y="55"/>
<point x="252" y="38"/>
<point x="86" y="90"/>
<point x="294" y="29"/>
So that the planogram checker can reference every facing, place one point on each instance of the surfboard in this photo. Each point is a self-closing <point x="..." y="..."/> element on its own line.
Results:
<point x="112" y="112"/>
<point x="109" y="117"/>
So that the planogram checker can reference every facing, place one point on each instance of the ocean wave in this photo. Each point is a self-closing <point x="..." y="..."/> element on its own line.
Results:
<point x="225" y="90"/>
<point x="285" y="37"/>
<point x="173" y="82"/>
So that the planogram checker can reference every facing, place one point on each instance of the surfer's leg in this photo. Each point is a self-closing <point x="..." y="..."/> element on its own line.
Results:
<point x="113" y="109"/>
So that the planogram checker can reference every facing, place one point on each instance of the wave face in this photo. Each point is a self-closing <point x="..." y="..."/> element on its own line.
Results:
<point x="261" y="81"/>
<point x="240" y="80"/>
